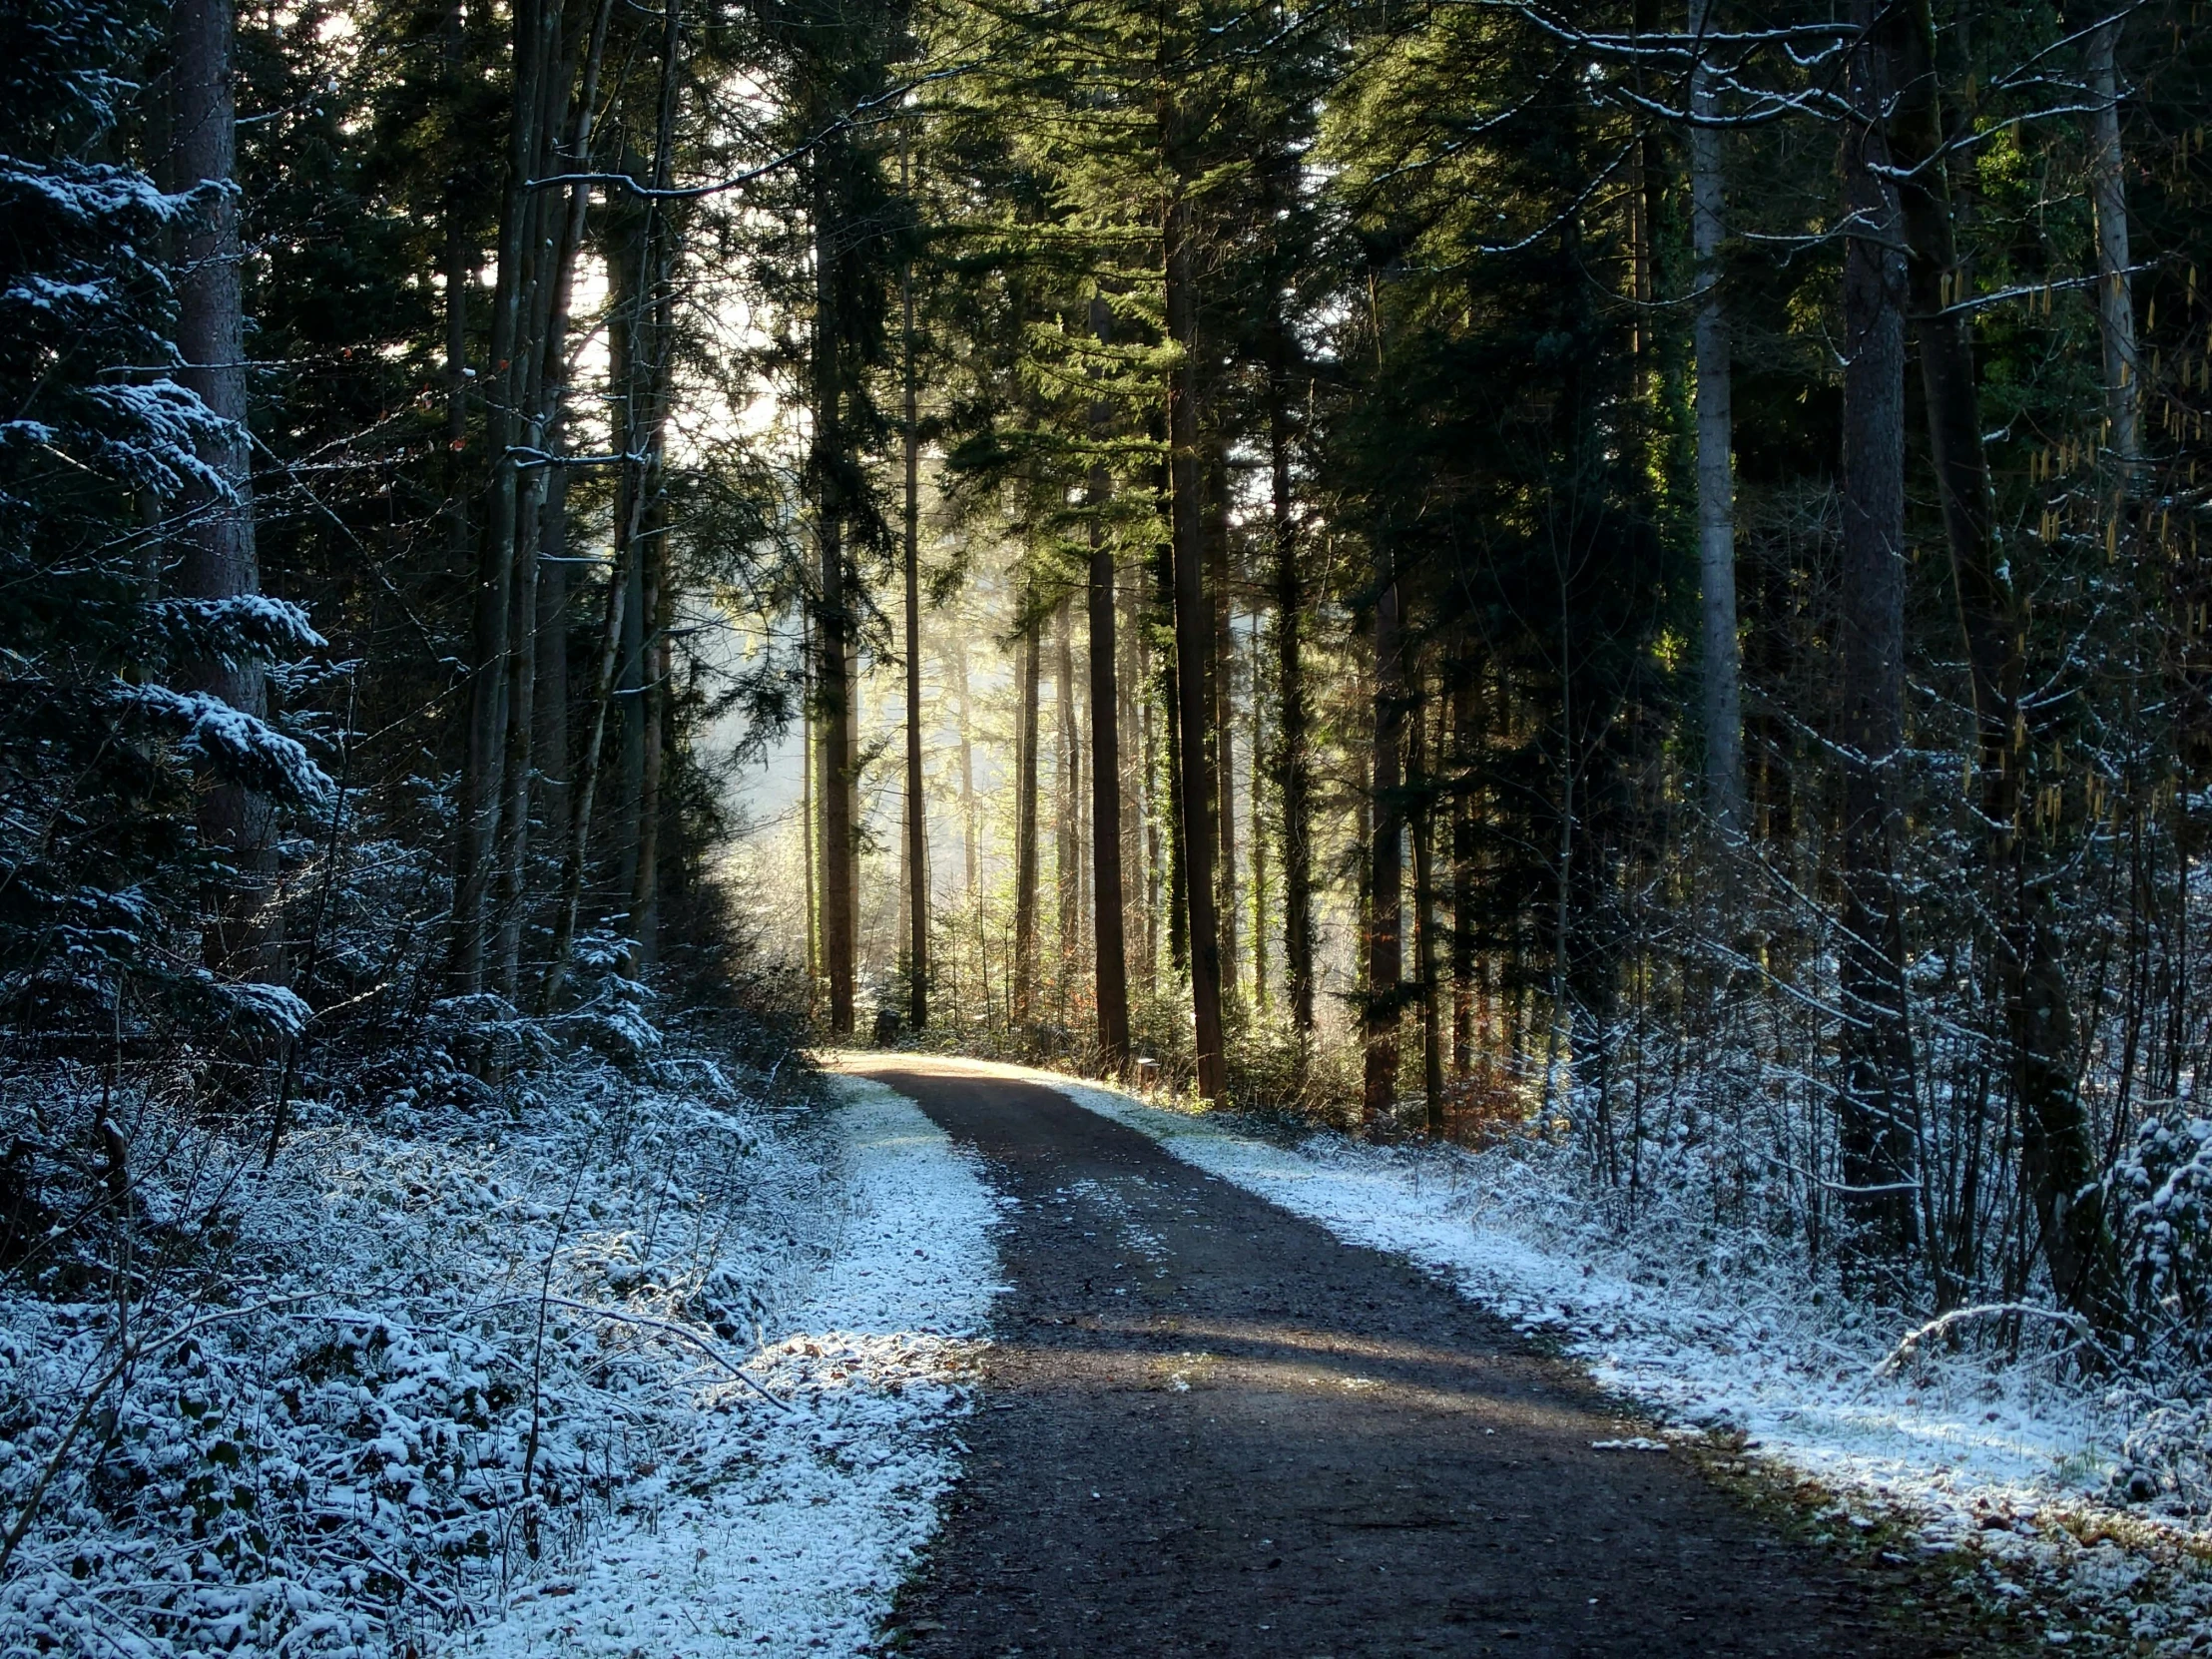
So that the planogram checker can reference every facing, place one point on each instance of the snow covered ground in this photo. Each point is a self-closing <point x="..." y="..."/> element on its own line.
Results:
<point x="792" y="1531"/>
<point x="608" y="1361"/>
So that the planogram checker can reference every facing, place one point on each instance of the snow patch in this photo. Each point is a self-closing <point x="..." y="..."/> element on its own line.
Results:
<point x="595" y="1361"/>
<point x="795" y="1530"/>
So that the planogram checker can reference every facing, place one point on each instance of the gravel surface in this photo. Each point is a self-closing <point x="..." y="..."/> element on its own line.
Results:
<point x="1206" y="1427"/>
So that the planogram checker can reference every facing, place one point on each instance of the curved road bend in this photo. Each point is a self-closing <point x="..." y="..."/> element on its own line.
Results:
<point x="1206" y="1427"/>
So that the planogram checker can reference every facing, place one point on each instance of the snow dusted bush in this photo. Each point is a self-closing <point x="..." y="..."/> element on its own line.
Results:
<point x="2169" y="1178"/>
<point x="338" y="1403"/>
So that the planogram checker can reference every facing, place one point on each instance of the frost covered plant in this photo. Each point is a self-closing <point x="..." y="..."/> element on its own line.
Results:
<point x="342" y="1404"/>
<point x="2167" y="1457"/>
<point x="2169" y="1177"/>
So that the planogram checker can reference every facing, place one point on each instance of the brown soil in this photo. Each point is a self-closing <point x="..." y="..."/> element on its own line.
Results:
<point x="1207" y="1427"/>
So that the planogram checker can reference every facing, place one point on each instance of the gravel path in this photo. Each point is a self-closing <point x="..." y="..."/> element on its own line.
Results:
<point x="1208" y="1428"/>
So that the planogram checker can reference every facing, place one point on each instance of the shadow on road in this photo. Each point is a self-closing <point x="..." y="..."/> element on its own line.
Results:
<point x="1206" y="1427"/>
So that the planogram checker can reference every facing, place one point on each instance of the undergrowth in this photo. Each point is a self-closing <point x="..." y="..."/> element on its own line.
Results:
<point x="337" y="1402"/>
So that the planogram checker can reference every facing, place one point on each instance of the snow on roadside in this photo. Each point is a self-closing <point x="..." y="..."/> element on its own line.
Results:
<point x="793" y="1537"/>
<point x="601" y="1359"/>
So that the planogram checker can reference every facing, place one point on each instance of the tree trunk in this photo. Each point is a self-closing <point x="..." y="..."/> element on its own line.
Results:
<point x="631" y="355"/>
<point x="1876" y="1102"/>
<point x="460" y="260"/>
<point x="903" y="926"/>
<point x="855" y="700"/>
<point x="1194" y="638"/>
<point x="1261" y="883"/>
<point x="1716" y="480"/>
<point x="1025" y="834"/>
<point x="1424" y="825"/>
<point x="1107" y="822"/>
<point x="834" y="613"/>
<point x="809" y="744"/>
<point x="459" y="263"/>
<point x="917" y="885"/>
<point x="1291" y="785"/>
<point x="2057" y="1152"/>
<point x="1144" y="725"/>
<point x="654" y="561"/>
<point x="639" y="302"/>
<point x="550" y="698"/>
<point x="629" y="678"/>
<point x="522" y="707"/>
<point x="1068" y="843"/>
<point x="1464" y="703"/>
<point x="1386" y="855"/>
<point x="476" y="830"/>
<point x="1222" y="691"/>
<point x="1171" y="763"/>
<point x="967" y="764"/>
<point x="216" y="527"/>
<point x="550" y="701"/>
<point x="542" y="282"/>
<point x="645" y="878"/>
<point x="2115" y="285"/>
<point x="576" y="858"/>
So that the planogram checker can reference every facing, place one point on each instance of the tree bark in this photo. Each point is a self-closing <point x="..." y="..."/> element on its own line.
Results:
<point x="636" y="363"/>
<point x="1024" y="987"/>
<point x="656" y="665"/>
<point x="967" y="766"/>
<point x="1107" y="822"/>
<point x="1464" y="704"/>
<point x="214" y="532"/>
<point x="653" y="593"/>
<point x="576" y="858"/>
<point x="1255" y="827"/>
<point x="834" y="616"/>
<point x="2115" y="285"/>
<point x="1068" y="844"/>
<point x="550" y="698"/>
<point x="1194" y="638"/>
<point x="1877" y="1101"/>
<point x="917" y="835"/>
<point x="476" y="830"/>
<point x="460" y="262"/>
<point x="1144" y="842"/>
<point x="1716" y="482"/>
<point x="1223" y="693"/>
<point x="1423" y="825"/>
<point x="808" y="743"/>
<point x="544" y="284"/>
<point x="639" y="302"/>
<point x="553" y="762"/>
<point x="1176" y="868"/>
<point x="1385" y="863"/>
<point x="1293" y="778"/>
<point x="655" y="561"/>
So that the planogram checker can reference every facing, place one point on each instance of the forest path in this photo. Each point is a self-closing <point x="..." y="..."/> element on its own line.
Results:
<point x="1207" y="1427"/>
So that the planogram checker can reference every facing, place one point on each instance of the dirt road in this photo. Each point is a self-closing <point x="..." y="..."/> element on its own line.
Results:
<point x="1209" y="1428"/>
